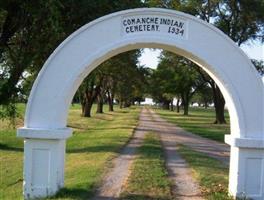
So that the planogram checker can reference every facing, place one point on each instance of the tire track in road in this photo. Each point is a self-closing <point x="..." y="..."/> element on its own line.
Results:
<point x="114" y="180"/>
<point x="185" y="186"/>
<point x="214" y="149"/>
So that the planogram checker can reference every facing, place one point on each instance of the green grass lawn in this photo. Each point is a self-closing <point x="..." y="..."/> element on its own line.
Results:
<point x="148" y="179"/>
<point x="97" y="140"/>
<point x="11" y="159"/>
<point x="199" y="121"/>
<point x="211" y="174"/>
<point x="94" y="143"/>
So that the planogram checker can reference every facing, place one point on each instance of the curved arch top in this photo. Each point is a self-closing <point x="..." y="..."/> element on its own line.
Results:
<point x="180" y="33"/>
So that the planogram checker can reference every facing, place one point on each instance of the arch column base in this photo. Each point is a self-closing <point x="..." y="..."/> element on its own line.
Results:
<point x="44" y="157"/>
<point x="246" y="174"/>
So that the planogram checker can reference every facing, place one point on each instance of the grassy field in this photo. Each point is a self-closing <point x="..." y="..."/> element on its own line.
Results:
<point x="148" y="179"/>
<point x="211" y="174"/>
<point x="199" y="121"/>
<point x="11" y="159"/>
<point x="97" y="140"/>
<point x="89" y="152"/>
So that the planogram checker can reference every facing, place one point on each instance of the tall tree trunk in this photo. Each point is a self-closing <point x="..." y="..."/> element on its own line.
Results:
<point x="100" y="103"/>
<point x="83" y="105"/>
<point x="171" y="105"/>
<point x="100" y="106"/>
<point x="219" y="101"/>
<point x="87" y="109"/>
<point x="89" y="97"/>
<point x="185" y="103"/>
<point x="110" y="101"/>
<point x="219" y="104"/>
<point x="166" y="105"/>
<point x="178" y="105"/>
<point x="111" y="106"/>
<point x="185" y="109"/>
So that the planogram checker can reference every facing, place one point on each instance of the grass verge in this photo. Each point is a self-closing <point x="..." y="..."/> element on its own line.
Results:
<point x="199" y="121"/>
<point x="94" y="143"/>
<point x="211" y="173"/>
<point x="148" y="179"/>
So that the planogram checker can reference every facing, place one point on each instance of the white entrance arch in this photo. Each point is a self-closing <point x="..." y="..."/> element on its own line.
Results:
<point x="45" y="130"/>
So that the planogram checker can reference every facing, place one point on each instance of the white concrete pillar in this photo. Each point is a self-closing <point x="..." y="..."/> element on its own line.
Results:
<point x="44" y="155"/>
<point x="246" y="175"/>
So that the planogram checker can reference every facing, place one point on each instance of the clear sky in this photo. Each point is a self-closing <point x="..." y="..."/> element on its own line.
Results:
<point x="254" y="50"/>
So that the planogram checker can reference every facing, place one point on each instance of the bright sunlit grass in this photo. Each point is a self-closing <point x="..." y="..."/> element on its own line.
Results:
<point x="199" y="121"/>
<point x="94" y="143"/>
<point x="149" y="177"/>
<point x="211" y="174"/>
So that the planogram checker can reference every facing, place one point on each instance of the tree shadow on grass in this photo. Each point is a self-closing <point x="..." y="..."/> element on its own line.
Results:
<point x="143" y="197"/>
<point x="116" y="147"/>
<point x="112" y="128"/>
<point x="102" y="148"/>
<point x="93" y="149"/>
<point x="181" y="116"/>
<point x="74" y="193"/>
<point x="5" y="147"/>
<point x="201" y="160"/>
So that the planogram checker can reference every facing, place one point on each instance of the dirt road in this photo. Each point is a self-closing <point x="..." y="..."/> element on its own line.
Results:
<point x="185" y="187"/>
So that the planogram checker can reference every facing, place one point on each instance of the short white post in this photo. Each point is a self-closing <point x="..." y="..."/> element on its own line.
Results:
<point x="246" y="175"/>
<point x="44" y="156"/>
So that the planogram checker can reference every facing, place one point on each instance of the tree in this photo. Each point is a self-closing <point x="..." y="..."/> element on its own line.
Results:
<point x="121" y="74"/>
<point x="203" y="96"/>
<point x="119" y="77"/>
<point x="129" y="80"/>
<point x="259" y="64"/>
<point x="161" y="85"/>
<point x="187" y="80"/>
<point x="88" y="92"/>
<point x="111" y="74"/>
<point x="25" y="28"/>
<point x="175" y="77"/>
<point x="240" y="20"/>
<point x="31" y="30"/>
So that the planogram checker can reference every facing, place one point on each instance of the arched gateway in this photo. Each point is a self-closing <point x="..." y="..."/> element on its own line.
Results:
<point x="45" y="130"/>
